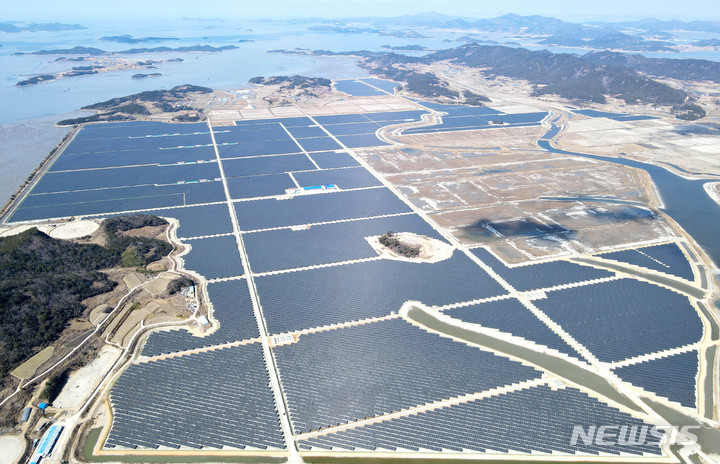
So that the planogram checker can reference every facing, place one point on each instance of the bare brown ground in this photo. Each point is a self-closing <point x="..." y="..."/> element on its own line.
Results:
<point x="516" y="191"/>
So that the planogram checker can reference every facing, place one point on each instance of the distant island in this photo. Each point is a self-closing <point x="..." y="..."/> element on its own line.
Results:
<point x="127" y="38"/>
<point x="143" y="76"/>
<point x="711" y="43"/>
<point x="79" y="50"/>
<point x="404" y="34"/>
<point x="614" y="40"/>
<point x="405" y="47"/>
<point x="14" y="27"/>
<point x="99" y="65"/>
<point x="144" y="104"/>
<point x="293" y="87"/>
<point x="36" y="80"/>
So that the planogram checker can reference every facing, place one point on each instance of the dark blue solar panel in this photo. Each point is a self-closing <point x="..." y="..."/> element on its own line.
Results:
<point x="344" y="178"/>
<point x="259" y="186"/>
<point x="302" y="132"/>
<point x="137" y="129"/>
<point x="195" y="193"/>
<point x="340" y="118"/>
<point x="171" y="402"/>
<point x="350" y="129"/>
<point x="266" y="165"/>
<point x="307" y="209"/>
<point x="319" y="144"/>
<point x="481" y="121"/>
<point x="116" y="200"/>
<point x="137" y="143"/>
<point x="232" y="307"/>
<point x="127" y="176"/>
<point x="317" y="297"/>
<point x="322" y="244"/>
<point x="367" y="370"/>
<point x="625" y="318"/>
<point x="541" y="275"/>
<point x="672" y="377"/>
<point x="198" y="221"/>
<point x="214" y="257"/>
<point x="459" y="110"/>
<point x="287" y="122"/>
<point x="667" y="258"/>
<point x="256" y="134"/>
<point x="357" y="89"/>
<point x="132" y="157"/>
<point x="96" y="207"/>
<point x="330" y="159"/>
<point x="538" y="419"/>
<point x="509" y="315"/>
<point x="394" y="116"/>
<point x="271" y="147"/>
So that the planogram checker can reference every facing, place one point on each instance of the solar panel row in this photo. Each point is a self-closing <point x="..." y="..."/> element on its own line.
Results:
<point x="625" y="318"/>
<point x="537" y="419"/>
<point x="509" y="315"/>
<point x="322" y="244"/>
<point x="541" y="275"/>
<point x="210" y="399"/>
<point x="349" y="292"/>
<point x="666" y="258"/>
<point x="352" y="373"/>
<point x="672" y="377"/>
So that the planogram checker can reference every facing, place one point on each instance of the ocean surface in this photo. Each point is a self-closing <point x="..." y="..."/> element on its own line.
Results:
<point x="27" y="114"/>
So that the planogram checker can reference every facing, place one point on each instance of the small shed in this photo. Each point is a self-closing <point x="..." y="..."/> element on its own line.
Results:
<point x="26" y="414"/>
<point x="43" y="406"/>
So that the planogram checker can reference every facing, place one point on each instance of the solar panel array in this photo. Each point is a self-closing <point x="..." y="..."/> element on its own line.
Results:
<point x="232" y="306"/>
<point x="328" y="243"/>
<point x="478" y="118"/>
<point x="219" y="398"/>
<point x="352" y="373"/>
<point x="348" y="178"/>
<point x="210" y="399"/>
<point x="625" y="318"/>
<point x="541" y="275"/>
<point x="673" y="377"/>
<point x="509" y="315"/>
<point x="198" y="221"/>
<point x="109" y="168"/>
<point x="667" y="258"/>
<point x="214" y="257"/>
<point x="357" y="88"/>
<point x="534" y="420"/>
<point x="317" y="297"/>
<point x="307" y="209"/>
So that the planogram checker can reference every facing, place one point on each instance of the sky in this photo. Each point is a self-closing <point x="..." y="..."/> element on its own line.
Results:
<point x="79" y="10"/>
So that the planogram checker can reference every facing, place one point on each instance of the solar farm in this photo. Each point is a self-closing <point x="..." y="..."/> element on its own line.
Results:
<point x="314" y="350"/>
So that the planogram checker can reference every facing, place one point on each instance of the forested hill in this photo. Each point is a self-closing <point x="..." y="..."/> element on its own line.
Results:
<point x="564" y="74"/>
<point x="580" y="78"/>
<point x="687" y="69"/>
<point x="43" y="281"/>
